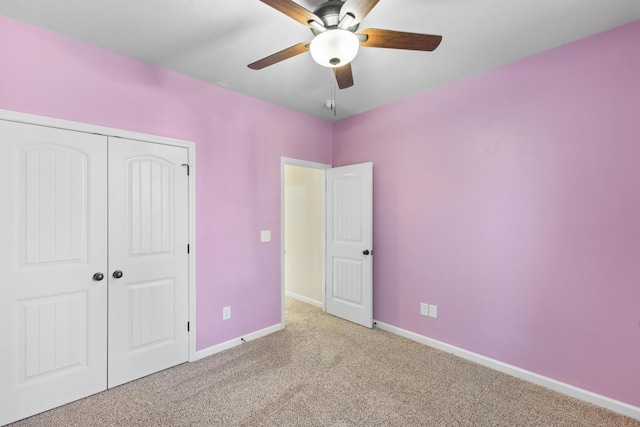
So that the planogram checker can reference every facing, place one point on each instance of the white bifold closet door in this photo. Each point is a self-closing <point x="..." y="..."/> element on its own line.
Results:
<point x="148" y="238"/>
<point x="76" y="208"/>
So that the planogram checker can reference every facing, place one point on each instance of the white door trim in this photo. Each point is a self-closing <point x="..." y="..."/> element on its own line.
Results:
<point x="306" y="164"/>
<point x="119" y="133"/>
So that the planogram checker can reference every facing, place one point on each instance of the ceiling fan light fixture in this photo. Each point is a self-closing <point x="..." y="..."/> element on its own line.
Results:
<point x="334" y="48"/>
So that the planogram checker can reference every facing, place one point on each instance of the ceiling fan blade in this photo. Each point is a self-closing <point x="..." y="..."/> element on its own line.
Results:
<point x="399" y="40"/>
<point x="358" y="8"/>
<point x="294" y="11"/>
<point x="344" y="76"/>
<point x="287" y="53"/>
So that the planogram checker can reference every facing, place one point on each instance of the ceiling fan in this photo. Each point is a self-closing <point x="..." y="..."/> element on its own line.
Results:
<point x="336" y="42"/>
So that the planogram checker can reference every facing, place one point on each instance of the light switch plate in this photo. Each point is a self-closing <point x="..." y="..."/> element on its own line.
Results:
<point x="265" y="235"/>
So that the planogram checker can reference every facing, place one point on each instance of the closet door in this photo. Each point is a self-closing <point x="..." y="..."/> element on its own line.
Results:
<point x="148" y="258"/>
<point x="53" y="251"/>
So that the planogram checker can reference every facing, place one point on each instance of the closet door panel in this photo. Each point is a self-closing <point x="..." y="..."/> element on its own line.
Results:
<point x="53" y="229"/>
<point x="148" y="228"/>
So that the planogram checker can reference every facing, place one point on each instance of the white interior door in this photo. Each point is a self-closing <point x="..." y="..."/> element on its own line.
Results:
<point x="53" y="239"/>
<point x="148" y="238"/>
<point x="349" y="260"/>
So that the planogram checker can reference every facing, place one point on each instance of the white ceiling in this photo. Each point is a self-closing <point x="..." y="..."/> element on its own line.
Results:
<point x="214" y="40"/>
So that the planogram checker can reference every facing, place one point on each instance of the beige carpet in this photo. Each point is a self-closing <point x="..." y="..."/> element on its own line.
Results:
<point x="323" y="371"/>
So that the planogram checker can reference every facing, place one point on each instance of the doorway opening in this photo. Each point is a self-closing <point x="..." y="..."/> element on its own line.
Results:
<point x="302" y="231"/>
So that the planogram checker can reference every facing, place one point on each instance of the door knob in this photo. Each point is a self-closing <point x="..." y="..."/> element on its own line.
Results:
<point x="117" y="274"/>
<point x="365" y="252"/>
<point x="98" y="277"/>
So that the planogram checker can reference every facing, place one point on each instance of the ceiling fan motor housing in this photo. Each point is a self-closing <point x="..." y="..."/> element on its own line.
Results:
<point x="329" y="12"/>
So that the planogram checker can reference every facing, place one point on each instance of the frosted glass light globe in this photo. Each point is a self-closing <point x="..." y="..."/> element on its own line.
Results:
<point x="334" y="48"/>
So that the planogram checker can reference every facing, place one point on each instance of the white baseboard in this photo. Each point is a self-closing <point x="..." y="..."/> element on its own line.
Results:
<point x="303" y="298"/>
<point x="236" y="341"/>
<point x="578" y="393"/>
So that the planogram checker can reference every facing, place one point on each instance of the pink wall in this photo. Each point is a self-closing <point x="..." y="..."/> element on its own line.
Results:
<point x="239" y="144"/>
<point x="511" y="200"/>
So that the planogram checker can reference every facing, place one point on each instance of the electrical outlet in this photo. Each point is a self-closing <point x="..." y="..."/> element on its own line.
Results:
<point x="433" y="311"/>
<point x="424" y="309"/>
<point x="226" y="312"/>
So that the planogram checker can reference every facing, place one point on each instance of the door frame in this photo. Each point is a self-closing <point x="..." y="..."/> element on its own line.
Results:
<point x="311" y="165"/>
<point x="51" y="122"/>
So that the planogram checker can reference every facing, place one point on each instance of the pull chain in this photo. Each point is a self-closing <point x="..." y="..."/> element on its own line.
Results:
<point x="332" y="100"/>
<point x="333" y="97"/>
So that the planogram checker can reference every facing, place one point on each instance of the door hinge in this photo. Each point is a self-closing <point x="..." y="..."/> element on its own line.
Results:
<point x="188" y="168"/>
<point x="188" y="326"/>
<point x="188" y="248"/>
